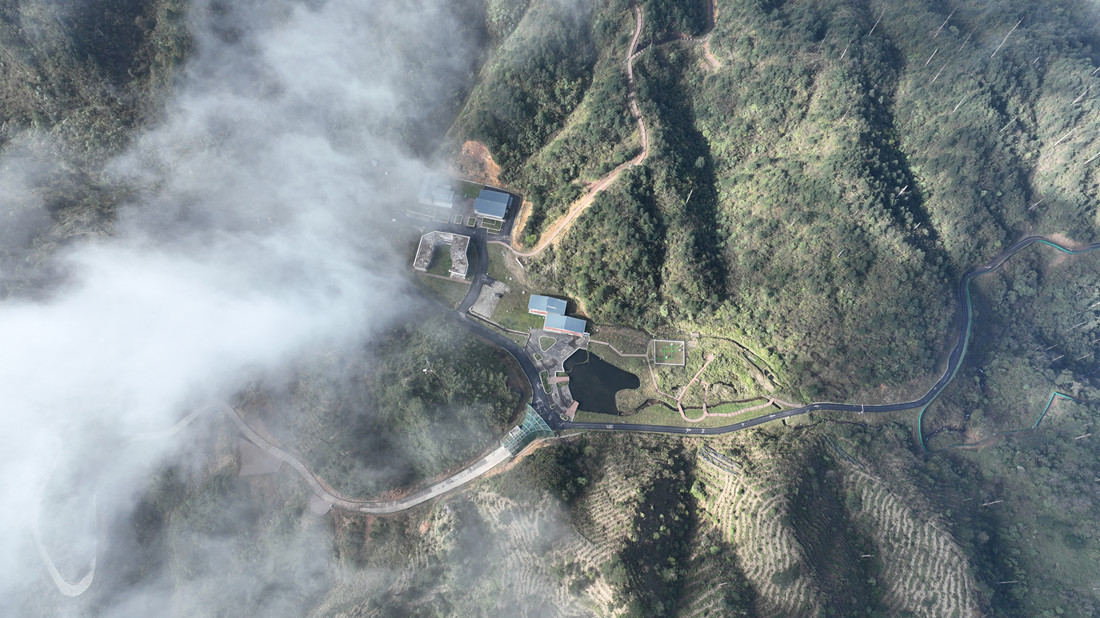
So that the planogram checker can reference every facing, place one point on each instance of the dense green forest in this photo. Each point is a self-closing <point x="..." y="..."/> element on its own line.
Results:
<point x="69" y="103"/>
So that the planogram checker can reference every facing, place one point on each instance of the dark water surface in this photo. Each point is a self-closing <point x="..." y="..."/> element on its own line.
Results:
<point x="594" y="382"/>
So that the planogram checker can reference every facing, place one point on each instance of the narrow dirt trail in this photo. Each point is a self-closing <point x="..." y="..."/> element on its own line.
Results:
<point x="684" y="391"/>
<point x="578" y="207"/>
<point x="563" y="223"/>
<point x="714" y="63"/>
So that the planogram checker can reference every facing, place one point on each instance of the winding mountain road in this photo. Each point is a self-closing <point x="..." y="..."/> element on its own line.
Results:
<point x="964" y="318"/>
<point x="460" y="478"/>
<point x="577" y="208"/>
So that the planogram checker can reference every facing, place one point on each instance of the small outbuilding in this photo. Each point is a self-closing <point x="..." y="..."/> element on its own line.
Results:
<point x="436" y="191"/>
<point x="492" y="204"/>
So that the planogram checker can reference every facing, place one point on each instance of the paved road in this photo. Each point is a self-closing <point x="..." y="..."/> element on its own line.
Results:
<point x="963" y="321"/>
<point x="366" y="506"/>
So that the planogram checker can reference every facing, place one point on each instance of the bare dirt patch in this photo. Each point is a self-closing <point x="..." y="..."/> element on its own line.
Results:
<point x="476" y="163"/>
<point x="254" y="461"/>
<point x="521" y="222"/>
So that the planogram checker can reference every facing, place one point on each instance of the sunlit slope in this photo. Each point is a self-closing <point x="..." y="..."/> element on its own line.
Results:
<point x="814" y="530"/>
<point x="821" y="188"/>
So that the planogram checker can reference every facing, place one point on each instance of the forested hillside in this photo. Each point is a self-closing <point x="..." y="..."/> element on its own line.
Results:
<point x="821" y="188"/>
<point x="819" y="174"/>
<point x="76" y="79"/>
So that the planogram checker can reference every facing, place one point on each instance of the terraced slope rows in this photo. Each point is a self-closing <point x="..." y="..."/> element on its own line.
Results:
<point x="748" y="510"/>
<point x="925" y="572"/>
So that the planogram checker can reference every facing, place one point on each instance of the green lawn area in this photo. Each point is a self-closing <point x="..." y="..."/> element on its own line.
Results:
<point x="450" y="290"/>
<point x="468" y="189"/>
<point x="660" y="415"/>
<point x="669" y="352"/>
<point x="511" y="312"/>
<point x="545" y="343"/>
<point x="520" y="339"/>
<point x="497" y="269"/>
<point x="441" y="261"/>
<point x="544" y="376"/>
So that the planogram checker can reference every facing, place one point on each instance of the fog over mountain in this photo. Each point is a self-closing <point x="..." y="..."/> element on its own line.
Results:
<point x="257" y="230"/>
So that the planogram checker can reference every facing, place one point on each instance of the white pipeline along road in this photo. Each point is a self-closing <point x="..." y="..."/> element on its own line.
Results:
<point x="460" y="478"/>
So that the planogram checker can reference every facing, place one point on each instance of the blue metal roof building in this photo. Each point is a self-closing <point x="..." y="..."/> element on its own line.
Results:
<point x="492" y="204"/>
<point x="564" y="324"/>
<point x="545" y="305"/>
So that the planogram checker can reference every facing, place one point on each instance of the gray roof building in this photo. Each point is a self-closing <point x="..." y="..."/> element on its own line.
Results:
<point x="564" y="324"/>
<point x="492" y="204"/>
<point x="436" y="190"/>
<point x="459" y="245"/>
<point x="543" y="305"/>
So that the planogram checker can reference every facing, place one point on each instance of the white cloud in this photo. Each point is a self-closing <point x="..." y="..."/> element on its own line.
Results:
<point x="259" y="230"/>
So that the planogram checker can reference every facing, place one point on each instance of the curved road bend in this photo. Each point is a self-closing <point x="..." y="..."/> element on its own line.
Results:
<point x="963" y="322"/>
<point x="540" y="402"/>
<point x="563" y="223"/>
<point x="365" y="506"/>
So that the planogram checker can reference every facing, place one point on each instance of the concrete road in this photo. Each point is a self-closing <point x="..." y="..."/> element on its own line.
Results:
<point x="963" y="322"/>
<point x="459" y="479"/>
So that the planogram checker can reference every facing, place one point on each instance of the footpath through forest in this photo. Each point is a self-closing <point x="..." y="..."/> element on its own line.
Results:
<point x="577" y="208"/>
<point x="562" y="225"/>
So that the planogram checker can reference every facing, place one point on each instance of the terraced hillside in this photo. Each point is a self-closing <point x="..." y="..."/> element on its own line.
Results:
<point x="747" y="506"/>
<point x="813" y="530"/>
<point x="923" y="569"/>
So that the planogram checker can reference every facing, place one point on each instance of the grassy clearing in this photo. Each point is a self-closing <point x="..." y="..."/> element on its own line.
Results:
<point x="669" y="352"/>
<point x="512" y="312"/>
<point x="497" y="257"/>
<point x="519" y="338"/>
<point x="469" y="189"/>
<point x="450" y="290"/>
<point x="660" y="415"/>
<point x="626" y="340"/>
<point x="441" y="262"/>
<point x="545" y="343"/>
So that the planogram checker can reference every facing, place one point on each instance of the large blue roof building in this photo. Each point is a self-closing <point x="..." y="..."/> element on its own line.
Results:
<point x="554" y="311"/>
<point x="492" y="204"/>
<point x="545" y="305"/>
